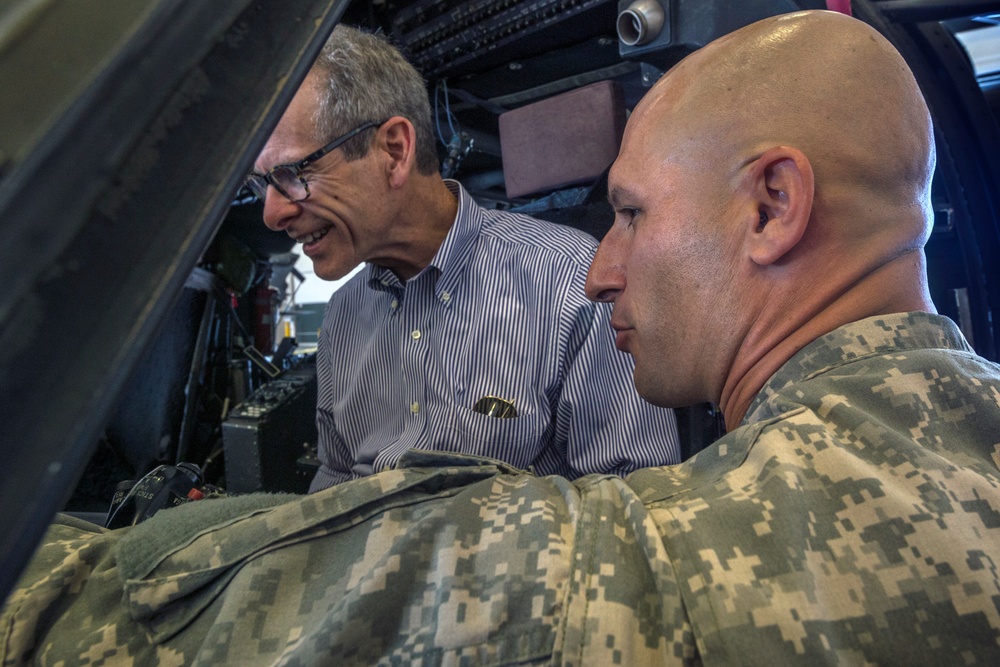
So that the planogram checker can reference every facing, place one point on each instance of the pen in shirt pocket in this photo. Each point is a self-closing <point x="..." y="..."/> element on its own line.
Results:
<point x="494" y="406"/>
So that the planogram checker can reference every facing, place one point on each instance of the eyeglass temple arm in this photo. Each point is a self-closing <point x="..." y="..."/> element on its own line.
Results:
<point x="312" y="157"/>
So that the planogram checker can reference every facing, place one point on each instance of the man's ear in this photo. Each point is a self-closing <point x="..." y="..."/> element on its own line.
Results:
<point x="782" y="187"/>
<point x="398" y="141"/>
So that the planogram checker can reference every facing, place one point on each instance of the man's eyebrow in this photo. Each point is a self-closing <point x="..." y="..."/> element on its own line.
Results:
<point x="274" y="163"/>
<point x="618" y="193"/>
<point x="253" y="167"/>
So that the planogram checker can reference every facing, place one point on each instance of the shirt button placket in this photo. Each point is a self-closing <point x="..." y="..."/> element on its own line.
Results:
<point x="415" y="405"/>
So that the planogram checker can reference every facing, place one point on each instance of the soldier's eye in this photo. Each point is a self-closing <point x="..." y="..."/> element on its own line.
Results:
<point x="627" y="214"/>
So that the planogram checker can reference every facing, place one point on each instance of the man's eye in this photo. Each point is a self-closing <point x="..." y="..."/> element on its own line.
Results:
<point x="627" y="214"/>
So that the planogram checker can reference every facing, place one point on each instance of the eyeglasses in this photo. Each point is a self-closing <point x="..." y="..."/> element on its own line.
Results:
<point x="288" y="179"/>
<point x="492" y="406"/>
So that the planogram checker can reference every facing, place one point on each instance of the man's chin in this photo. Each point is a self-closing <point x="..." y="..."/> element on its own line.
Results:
<point x="660" y="394"/>
<point x="330" y="276"/>
<point x="646" y="392"/>
<point x="332" y="273"/>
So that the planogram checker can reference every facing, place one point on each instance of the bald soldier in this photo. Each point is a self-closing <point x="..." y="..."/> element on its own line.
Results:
<point x="807" y="208"/>
<point x="766" y="255"/>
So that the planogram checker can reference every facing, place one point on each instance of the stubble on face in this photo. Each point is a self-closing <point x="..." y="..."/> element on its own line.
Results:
<point x="682" y="264"/>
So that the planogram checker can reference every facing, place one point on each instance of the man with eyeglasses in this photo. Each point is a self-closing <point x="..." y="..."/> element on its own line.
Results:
<point x="469" y="330"/>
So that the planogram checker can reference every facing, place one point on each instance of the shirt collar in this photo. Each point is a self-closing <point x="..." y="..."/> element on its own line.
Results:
<point x="452" y="257"/>
<point x="875" y="336"/>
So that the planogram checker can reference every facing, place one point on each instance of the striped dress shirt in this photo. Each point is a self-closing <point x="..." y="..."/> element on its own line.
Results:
<point x="500" y="311"/>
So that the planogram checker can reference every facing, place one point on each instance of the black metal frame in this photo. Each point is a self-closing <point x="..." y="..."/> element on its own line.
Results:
<point x="107" y="211"/>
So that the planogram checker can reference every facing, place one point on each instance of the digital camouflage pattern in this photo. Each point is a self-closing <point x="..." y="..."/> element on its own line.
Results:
<point x="854" y="518"/>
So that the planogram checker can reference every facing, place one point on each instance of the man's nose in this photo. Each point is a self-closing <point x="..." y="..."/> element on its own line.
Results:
<point x="606" y="278"/>
<point x="278" y="210"/>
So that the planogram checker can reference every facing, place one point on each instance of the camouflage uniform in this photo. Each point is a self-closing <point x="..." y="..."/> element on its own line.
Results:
<point x="853" y="518"/>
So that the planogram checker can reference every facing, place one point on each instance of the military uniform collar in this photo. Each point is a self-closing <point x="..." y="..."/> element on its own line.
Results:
<point x="874" y="336"/>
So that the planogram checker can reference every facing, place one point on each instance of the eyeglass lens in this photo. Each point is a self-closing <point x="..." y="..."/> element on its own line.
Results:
<point x="285" y="179"/>
<point x="289" y="182"/>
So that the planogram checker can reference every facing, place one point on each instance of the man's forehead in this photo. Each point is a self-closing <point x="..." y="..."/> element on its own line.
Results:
<point x="667" y="98"/>
<point x="642" y="143"/>
<point x="280" y="148"/>
<point x="293" y="136"/>
<point x="640" y="170"/>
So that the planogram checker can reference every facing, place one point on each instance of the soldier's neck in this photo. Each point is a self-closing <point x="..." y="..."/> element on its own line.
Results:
<point x="789" y="324"/>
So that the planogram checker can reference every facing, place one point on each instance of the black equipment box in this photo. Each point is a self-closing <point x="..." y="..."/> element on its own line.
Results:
<point x="448" y="36"/>
<point x="265" y="435"/>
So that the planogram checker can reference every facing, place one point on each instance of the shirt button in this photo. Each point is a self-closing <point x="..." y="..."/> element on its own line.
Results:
<point x="445" y="297"/>
<point x="395" y="303"/>
<point x="416" y="334"/>
<point x="414" y="407"/>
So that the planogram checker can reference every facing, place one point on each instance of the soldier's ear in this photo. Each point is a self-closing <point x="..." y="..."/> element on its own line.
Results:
<point x="782" y="188"/>
<point x="397" y="139"/>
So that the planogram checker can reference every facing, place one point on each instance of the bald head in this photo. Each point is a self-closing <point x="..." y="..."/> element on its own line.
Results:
<point x="822" y="82"/>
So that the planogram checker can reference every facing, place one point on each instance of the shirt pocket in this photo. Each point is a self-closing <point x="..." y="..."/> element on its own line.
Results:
<point x="516" y="441"/>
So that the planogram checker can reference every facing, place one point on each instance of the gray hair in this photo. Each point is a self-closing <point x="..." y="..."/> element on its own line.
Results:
<point x="365" y="78"/>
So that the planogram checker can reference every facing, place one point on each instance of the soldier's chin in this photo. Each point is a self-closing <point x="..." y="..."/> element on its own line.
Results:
<point x="655" y="393"/>
<point x="646" y="392"/>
